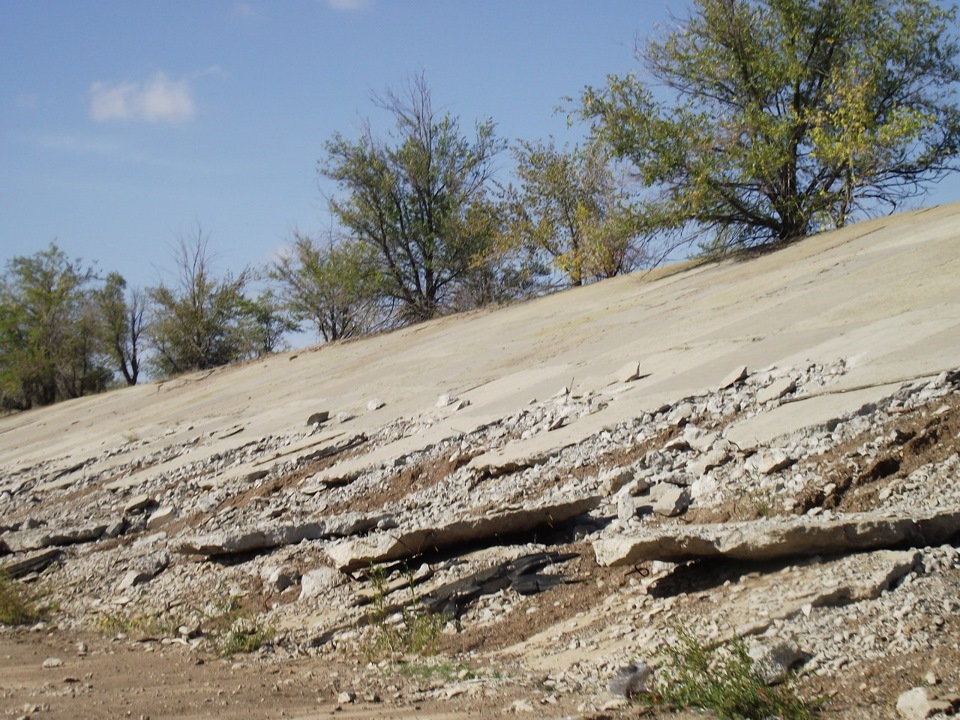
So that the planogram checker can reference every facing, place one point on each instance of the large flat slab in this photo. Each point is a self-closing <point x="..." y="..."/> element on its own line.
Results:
<point x="780" y="537"/>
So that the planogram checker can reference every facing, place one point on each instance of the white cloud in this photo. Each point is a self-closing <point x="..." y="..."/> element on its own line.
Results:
<point x="156" y="99"/>
<point x="348" y="5"/>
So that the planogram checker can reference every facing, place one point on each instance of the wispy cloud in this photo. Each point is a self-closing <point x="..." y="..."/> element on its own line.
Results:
<point x="348" y="5"/>
<point x="156" y="99"/>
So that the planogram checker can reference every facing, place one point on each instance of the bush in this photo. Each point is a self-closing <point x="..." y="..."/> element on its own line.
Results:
<point x="19" y="605"/>
<point x="418" y="631"/>
<point x="722" y="678"/>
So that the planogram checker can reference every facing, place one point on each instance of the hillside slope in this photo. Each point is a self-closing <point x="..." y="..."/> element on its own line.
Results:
<point x="764" y="447"/>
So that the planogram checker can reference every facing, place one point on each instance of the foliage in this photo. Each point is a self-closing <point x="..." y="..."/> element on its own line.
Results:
<point x="417" y="198"/>
<point x="48" y="330"/>
<point x="765" y="120"/>
<point x="19" y="605"/>
<point x="201" y="321"/>
<point x="229" y="626"/>
<point x="418" y="631"/>
<point x="121" y="324"/>
<point x="335" y="287"/>
<point x="235" y="630"/>
<point x="723" y="679"/>
<point x="570" y="206"/>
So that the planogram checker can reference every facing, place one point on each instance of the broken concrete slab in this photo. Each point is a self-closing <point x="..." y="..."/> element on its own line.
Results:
<point x="232" y="542"/>
<point x="360" y="552"/>
<point x="144" y="570"/>
<point x="776" y="390"/>
<point x="735" y="377"/>
<point x="27" y="540"/>
<point x="780" y="537"/>
<point x="824" y="409"/>
<point x="30" y="563"/>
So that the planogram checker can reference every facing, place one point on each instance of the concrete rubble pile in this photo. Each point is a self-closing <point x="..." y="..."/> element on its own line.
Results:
<point x="814" y="512"/>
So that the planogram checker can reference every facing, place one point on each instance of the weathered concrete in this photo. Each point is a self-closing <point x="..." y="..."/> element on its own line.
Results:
<point x="770" y="539"/>
<point x="402" y="543"/>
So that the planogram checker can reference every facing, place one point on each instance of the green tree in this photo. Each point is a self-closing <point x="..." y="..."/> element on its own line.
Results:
<point x="334" y="287"/>
<point x="201" y="321"/>
<point x="571" y="207"/>
<point x="775" y="118"/>
<point x="121" y="324"/>
<point x="412" y="196"/>
<point x="268" y="322"/>
<point x="48" y="331"/>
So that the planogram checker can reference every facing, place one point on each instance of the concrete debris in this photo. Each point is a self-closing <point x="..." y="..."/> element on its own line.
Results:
<point x="920" y="703"/>
<point x="27" y="540"/>
<point x="318" y="418"/>
<point x="144" y="570"/>
<point x="381" y="547"/>
<point x="775" y="657"/>
<point x="34" y="562"/>
<point x="735" y="377"/>
<point x="631" y="680"/>
<point x="671" y="500"/>
<point x="227" y="542"/>
<point x="779" y="538"/>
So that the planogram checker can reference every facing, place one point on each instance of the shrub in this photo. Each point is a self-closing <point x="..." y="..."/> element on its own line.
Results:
<point x="721" y="678"/>
<point x="19" y="605"/>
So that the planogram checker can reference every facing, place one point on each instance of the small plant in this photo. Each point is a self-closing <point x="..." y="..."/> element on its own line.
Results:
<point x="417" y="632"/>
<point x="20" y="605"/>
<point x="236" y="631"/>
<point x="721" y="678"/>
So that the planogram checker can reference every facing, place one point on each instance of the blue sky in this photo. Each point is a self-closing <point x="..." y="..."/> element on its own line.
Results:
<point x="124" y="123"/>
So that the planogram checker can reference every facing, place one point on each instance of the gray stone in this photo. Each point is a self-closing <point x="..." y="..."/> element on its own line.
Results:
<point x="631" y="680"/>
<point x="735" y="377"/>
<point x="777" y="538"/>
<point x="138" y="503"/>
<point x="672" y="501"/>
<point x="611" y="481"/>
<point x="774" y="658"/>
<point x="144" y="570"/>
<point x="767" y="462"/>
<point x="917" y="704"/>
<point x="160" y="517"/>
<point x="318" y="580"/>
<point x="375" y="404"/>
<point x="318" y="418"/>
<point x="626" y="507"/>
<point x="52" y="662"/>
<point x="278" y="579"/>
<point x="776" y="390"/>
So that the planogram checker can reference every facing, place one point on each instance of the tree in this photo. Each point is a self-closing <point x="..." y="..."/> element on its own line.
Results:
<point x="202" y="321"/>
<point x="570" y="206"/>
<point x="775" y="118"/>
<point x="268" y="322"/>
<point x="411" y="198"/>
<point x="47" y="331"/>
<point x="121" y="324"/>
<point x="335" y="287"/>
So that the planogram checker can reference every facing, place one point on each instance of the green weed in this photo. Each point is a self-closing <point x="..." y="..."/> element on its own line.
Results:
<point x="417" y="632"/>
<point x="723" y="679"/>
<point x="20" y="604"/>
